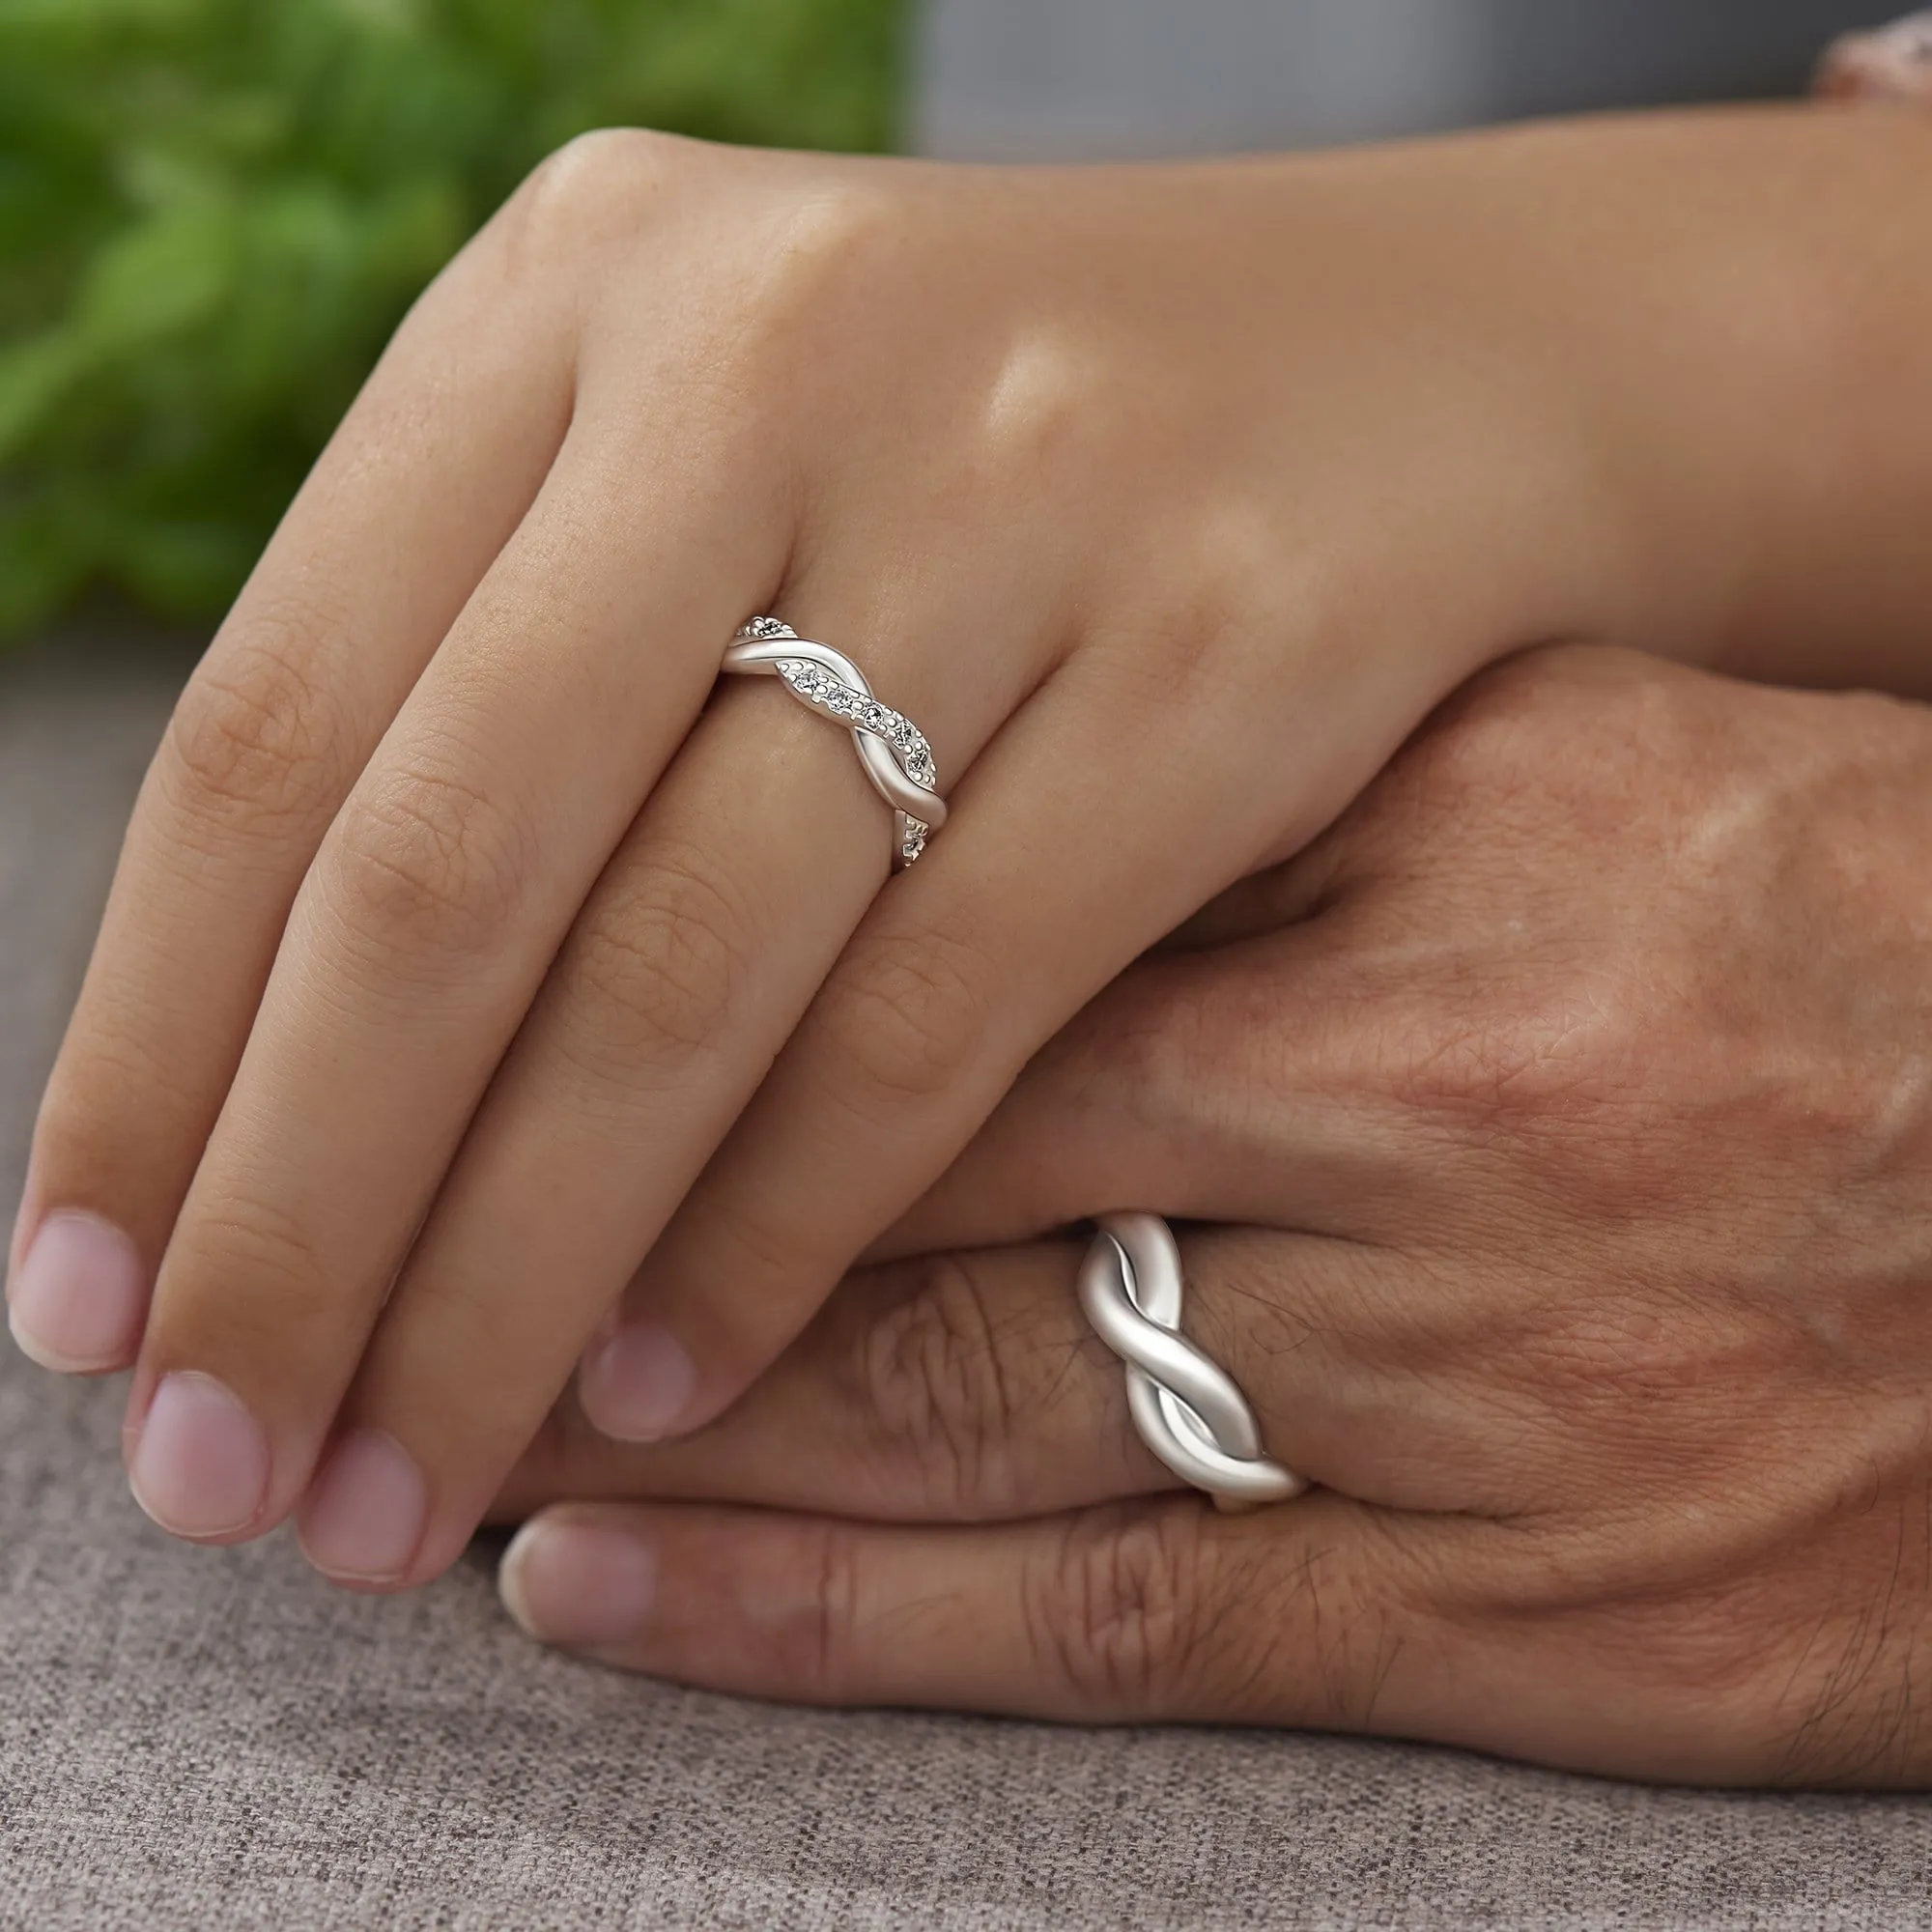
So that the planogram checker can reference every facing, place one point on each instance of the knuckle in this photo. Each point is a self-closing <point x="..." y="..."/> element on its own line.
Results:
<point x="807" y="261"/>
<point x="1113" y="1608"/>
<point x="911" y="1020"/>
<point x="936" y="1386"/>
<point x="1486" y="752"/>
<point x="594" y="190"/>
<point x="254" y="734"/>
<point x="1484" y="756"/>
<point x="813" y="1648"/>
<point x="799" y="256"/>
<point x="1496" y="719"/>
<point x="1475" y="766"/>
<point x="1193" y="641"/>
<point x="86" y="1126"/>
<point x="247" y="1240"/>
<point x="743" y="1236"/>
<point x="1490" y="729"/>
<point x="653" y="975"/>
<point x="428" y="862"/>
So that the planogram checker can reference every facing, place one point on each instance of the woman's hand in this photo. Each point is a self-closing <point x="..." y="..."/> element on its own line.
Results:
<point x="461" y="922"/>
<point x="1572" y="1106"/>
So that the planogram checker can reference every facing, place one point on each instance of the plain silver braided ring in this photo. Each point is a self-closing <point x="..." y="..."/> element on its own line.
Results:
<point x="1185" y="1405"/>
<point x="893" y="749"/>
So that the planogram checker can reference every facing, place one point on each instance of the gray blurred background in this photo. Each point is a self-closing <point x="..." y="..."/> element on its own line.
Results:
<point x="1080" y="79"/>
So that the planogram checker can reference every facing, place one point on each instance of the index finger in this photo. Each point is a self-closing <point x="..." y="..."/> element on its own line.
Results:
<point x="417" y="490"/>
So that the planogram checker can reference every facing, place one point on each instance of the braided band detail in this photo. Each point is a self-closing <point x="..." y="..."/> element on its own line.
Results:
<point x="892" y="748"/>
<point x="1185" y="1405"/>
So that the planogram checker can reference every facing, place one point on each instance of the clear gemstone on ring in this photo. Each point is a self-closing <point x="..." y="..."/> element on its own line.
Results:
<point x="826" y="693"/>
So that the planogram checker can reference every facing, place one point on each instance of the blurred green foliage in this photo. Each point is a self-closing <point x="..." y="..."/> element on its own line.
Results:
<point x="214" y="212"/>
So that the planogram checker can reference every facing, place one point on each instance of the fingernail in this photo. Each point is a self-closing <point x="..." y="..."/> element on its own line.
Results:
<point x="201" y="1466"/>
<point x="577" y="1583"/>
<point x="24" y="1221"/>
<point x="364" y="1517"/>
<point x="77" y="1300"/>
<point x="639" y="1384"/>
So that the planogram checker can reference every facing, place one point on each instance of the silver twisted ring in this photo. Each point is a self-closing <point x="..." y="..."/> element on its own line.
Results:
<point x="893" y="749"/>
<point x="1185" y="1405"/>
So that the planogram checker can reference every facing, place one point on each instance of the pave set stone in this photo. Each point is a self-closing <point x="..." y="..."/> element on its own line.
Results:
<point x="839" y="702"/>
<point x="825" y="693"/>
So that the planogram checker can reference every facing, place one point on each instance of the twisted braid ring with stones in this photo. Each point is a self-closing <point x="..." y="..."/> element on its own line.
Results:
<point x="893" y="749"/>
<point x="1185" y="1405"/>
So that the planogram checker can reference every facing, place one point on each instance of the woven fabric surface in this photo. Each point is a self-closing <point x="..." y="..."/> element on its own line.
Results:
<point x="216" y="1739"/>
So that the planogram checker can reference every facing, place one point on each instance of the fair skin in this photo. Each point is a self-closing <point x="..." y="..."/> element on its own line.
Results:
<point x="472" y="958"/>
<point x="1554" y="1139"/>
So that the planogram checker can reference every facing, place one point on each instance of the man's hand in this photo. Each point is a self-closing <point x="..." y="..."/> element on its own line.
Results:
<point x="1564" y="1114"/>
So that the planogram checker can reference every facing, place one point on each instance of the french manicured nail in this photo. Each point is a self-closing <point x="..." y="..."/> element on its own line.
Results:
<point x="576" y="1583"/>
<point x="78" y="1298"/>
<point x="201" y="1466"/>
<point x="366" y="1514"/>
<point x="639" y="1384"/>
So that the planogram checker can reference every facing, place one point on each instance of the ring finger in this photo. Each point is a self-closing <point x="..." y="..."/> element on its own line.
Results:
<point x="970" y="1387"/>
<point x="689" y="965"/>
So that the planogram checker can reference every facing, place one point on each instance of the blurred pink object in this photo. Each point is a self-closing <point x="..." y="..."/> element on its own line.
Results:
<point x="1890" y="64"/>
